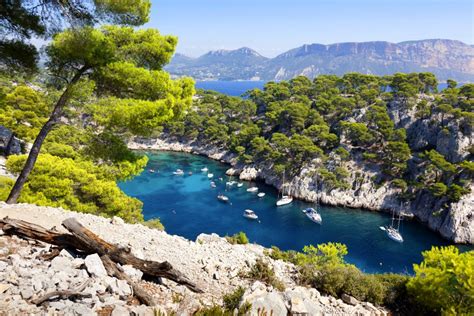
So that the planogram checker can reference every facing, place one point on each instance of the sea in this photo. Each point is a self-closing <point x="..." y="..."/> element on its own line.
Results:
<point x="187" y="205"/>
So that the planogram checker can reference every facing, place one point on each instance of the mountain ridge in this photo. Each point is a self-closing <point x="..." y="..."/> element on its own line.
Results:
<point x="448" y="59"/>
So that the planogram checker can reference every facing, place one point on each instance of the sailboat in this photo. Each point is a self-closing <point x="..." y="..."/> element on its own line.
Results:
<point x="392" y="232"/>
<point x="285" y="199"/>
<point x="312" y="213"/>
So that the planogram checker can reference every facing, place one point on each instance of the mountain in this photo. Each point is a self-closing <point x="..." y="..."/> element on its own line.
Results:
<point x="445" y="58"/>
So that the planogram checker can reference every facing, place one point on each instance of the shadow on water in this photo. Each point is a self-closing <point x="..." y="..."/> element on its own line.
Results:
<point x="188" y="206"/>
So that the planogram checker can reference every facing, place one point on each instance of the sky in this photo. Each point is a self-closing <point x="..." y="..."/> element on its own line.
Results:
<point x="272" y="27"/>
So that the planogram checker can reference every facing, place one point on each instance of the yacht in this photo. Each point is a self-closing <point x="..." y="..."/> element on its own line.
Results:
<point x="204" y="169"/>
<point x="261" y="194"/>
<point x="252" y="189"/>
<point x="250" y="214"/>
<point x="210" y="175"/>
<point x="178" y="172"/>
<point x="151" y="171"/>
<point x="222" y="198"/>
<point x="313" y="215"/>
<point x="284" y="199"/>
<point x="239" y="184"/>
<point x="394" y="232"/>
<point x="213" y="184"/>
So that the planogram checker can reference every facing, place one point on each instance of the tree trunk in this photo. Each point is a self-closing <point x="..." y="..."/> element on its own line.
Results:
<point x="35" y="149"/>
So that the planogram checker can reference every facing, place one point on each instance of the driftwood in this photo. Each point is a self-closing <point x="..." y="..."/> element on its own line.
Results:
<point x="138" y="291"/>
<point x="124" y="257"/>
<point x="86" y="241"/>
<point x="64" y="294"/>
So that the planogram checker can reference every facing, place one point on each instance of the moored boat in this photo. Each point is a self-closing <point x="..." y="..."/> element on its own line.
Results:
<point x="204" y="169"/>
<point x="313" y="215"/>
<point x="210" y="175"/>
<point x="250" y="214"/>
<point x="178" y="172"/>
<point x="261" y="194"/>
<point x="222" y="198"/>
<point x="252" y="189"/>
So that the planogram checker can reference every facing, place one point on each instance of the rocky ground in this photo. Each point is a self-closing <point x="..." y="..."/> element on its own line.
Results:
<point x="210" y="261"/>
<point x="457" y="225"/>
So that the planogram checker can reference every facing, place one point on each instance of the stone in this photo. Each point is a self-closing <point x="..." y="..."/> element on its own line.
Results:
<point x="94" y="266"/>
<point x="82" y="310"/>
<point x="61" y="263"/>
<point x="120" y="287"/>
<point x="117" y="220"/>
<point x="349" y="299"/>
<point x="120" y="311"/>
<point x="66" y="254"/>
<point x="133" y="273"/>
<point x="4" y="287"/>
<point x="9" y="144"/>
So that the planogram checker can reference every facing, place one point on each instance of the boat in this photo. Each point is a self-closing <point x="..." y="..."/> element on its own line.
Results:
<point x="313" y="215"/>
<point x="252" y="189"/>
<point x="204" y="169"/>
<point x="284" y="199"/>
<point x="178" y="172"/>
<point x="223" y="198"/>
<point x="210" y="175"/>
<point x="190" y="173"/>
<point x="261" y="194"/>
<point x="394" y="232"/>
<point x="239" y="184"/>
<point x="213" y="184"/>
<point x="250" y="214"/>
<point x="229" y="183"/>
<point x="151" y="171"/>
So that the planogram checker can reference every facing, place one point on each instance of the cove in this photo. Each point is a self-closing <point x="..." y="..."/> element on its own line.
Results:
<point x="187" y="206"/>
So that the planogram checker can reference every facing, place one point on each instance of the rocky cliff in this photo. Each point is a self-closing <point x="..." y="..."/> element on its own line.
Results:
<point x="215" y="265"/>
<point x="455" y="223"/>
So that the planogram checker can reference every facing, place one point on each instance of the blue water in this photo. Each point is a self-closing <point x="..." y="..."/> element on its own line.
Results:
<point x="232" y="88"/>
<point x="188" y="206"/>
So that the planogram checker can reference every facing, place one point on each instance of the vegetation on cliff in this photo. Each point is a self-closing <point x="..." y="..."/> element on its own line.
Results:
<point x="332" y="120"/>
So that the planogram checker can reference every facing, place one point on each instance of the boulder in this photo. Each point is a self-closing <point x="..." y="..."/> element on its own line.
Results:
<point x="95" y="266"/>
<point x="349" y="299"/>
<point x="9" y="144"/>
<point x="248" y="174"/>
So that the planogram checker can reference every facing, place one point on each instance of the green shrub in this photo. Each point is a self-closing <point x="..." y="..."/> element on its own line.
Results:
<point x="261" y="271"/>
<point x="239" y="238"/>
<point x="400" y="183"/>
<point x="154" y="223"/>
<point x="444" y="281"/>
<point x="232" y="302"/>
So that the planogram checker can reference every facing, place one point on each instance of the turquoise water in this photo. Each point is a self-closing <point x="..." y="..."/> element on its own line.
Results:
<point x="188" y="206"/>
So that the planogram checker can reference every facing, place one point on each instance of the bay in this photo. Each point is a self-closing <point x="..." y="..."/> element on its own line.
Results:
<point x="188" y="206"/>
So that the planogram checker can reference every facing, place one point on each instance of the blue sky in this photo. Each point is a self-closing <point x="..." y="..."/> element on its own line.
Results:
<point x="274" y="26"/>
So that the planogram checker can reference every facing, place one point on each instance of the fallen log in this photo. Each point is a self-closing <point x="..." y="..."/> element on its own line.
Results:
<point x="35" y="232"/>
<point x="124" y="257"/>
<point x="138" y="291"/>
<point x="86" y="241"/>
<point x="64" y="294"/>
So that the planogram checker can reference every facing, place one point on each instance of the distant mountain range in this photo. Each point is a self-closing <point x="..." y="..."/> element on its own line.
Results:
<point x="448" y="59"/>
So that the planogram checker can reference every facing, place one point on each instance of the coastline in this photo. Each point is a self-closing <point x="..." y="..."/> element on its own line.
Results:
<point x="457" y="226"/>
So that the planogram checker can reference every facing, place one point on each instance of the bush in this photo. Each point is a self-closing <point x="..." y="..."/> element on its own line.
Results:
<point x="444" y="281"/>
<point x="154" y="224"/>
<point x="261" y="271"/>
<point x="239" y="238"/>
<point x="232" y="302"/>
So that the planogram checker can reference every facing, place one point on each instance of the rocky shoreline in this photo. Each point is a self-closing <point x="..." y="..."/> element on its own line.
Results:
<point x="457" y="226"/>
<point x="214" y="264"/>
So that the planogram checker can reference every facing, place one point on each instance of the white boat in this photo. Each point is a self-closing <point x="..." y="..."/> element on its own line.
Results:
<point x="261" y="194"/>
<point x="252" y="189"/>
<point x="178" y="172"/>
<point x="151" y="171"/>
<point x="229" y="183"/>
<point x="313" y="215"/>
<point x="239" y="184"/>
<point x="210" y="175"/>
<point x="250" y="214"/>
<point x="223" y="198"/>
<point x="213" y="184"/>
<point x="190" y="173"/>
<point x="204" y="169"/>
<point x="392" y="232"/>
<point x="285" y="199"/>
